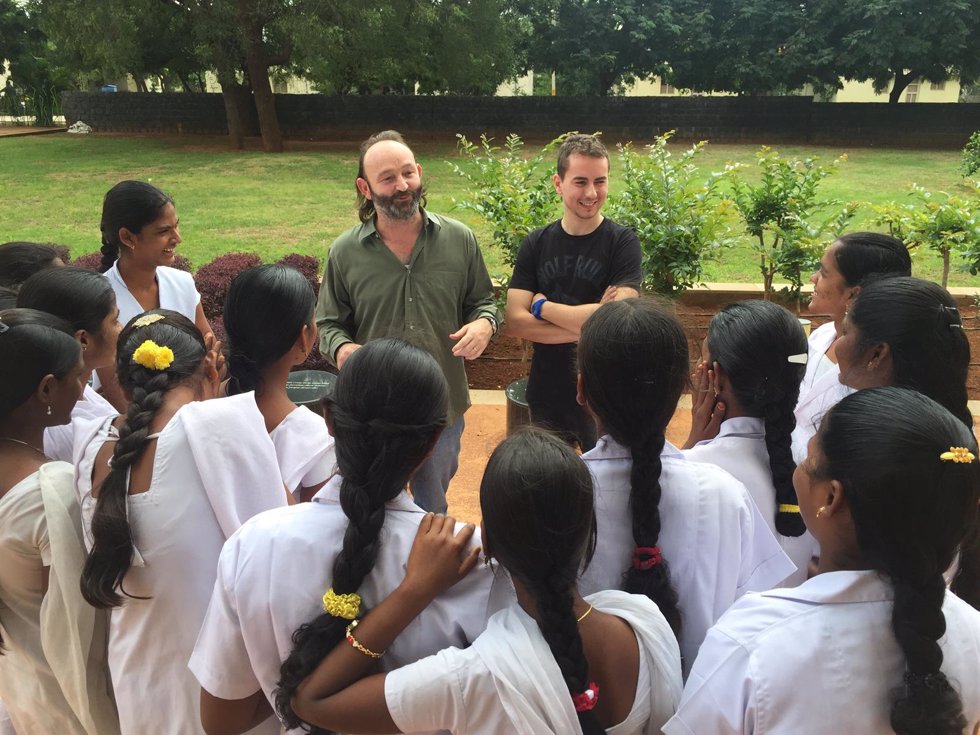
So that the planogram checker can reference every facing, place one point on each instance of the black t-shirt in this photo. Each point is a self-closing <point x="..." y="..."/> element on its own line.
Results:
<point x="573" y="270"/>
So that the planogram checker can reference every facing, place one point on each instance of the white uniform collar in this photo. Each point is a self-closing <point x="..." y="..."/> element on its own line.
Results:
<point x="748" y="426"/>
<point x="329" y="494"/>
<point x="609" y="448"/>
<point x="839" y="587"/>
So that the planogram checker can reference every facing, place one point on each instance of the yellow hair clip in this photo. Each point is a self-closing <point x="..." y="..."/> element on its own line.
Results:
<point x="787" y="508"/>
<point x="342" y="606"/>
<point x="147" y="319"/>
<point x="153" y="356"/>
<point x="960" y="455"/>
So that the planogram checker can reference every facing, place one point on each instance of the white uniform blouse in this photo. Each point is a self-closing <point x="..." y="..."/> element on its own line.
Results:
<point x="740" y="448"/>
<point x="714" y="538"/>
<point x="820" y="390"/>
<point x="271" y="578"/>
<point x="508" y="680"/>
<point x="818" y="658"/>
<point x="305" y="450"/>
<point x="177" y="293"/>
<point x="59" y="441"/>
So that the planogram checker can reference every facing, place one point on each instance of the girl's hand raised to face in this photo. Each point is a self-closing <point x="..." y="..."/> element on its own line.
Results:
<point x="440" y="557"/>
<point x="707" y="412"/>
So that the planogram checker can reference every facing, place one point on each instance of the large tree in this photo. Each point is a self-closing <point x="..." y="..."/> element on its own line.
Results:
<point x="902" y="40"/>
<point x="746" y="46"/>
<point x="594" y="44"/>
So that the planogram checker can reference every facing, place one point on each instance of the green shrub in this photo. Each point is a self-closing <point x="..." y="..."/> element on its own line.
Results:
<point x="789" y="222"/>
<point x="945" y="223"/>
<point x="971" y="155"/>
<point x="512" y="193"/>
<point x="677" y="215"/>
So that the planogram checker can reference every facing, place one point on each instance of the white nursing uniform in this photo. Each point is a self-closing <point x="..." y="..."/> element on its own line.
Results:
<point x="207" y="481"/>
<point x="818" y="658"/>
<point x="271" y="578"/>
<point x="177" y="293"/>
<point x="820" y="390"/>
<point x="508" y="680"/>
<point x="740" y="449"/>
<point x="305" y="450"/>
<point x="717" y="543"/>
<point x="53" y="669"/>
<point x="59" y="441"/>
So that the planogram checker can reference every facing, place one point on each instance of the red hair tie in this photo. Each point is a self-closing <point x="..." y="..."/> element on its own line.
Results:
<point x="586" y="701"/>
<point x="646" y="557"/>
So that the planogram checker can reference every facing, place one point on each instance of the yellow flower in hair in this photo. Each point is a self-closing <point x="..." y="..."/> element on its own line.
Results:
<point x="960" y="455"/>
<point x="153" y="356"/>
<point x="342" y="606"/>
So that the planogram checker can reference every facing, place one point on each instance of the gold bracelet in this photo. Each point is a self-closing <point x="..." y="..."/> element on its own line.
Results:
<point x="357" y="644"/>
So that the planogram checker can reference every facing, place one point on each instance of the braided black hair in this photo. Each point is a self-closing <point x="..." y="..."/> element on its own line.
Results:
<point x="265" y="311"/>
<point x="129" y="204"/>
<point x="388" y="407"/>
<point x="921" y="325"/>
<point x="752" y="341"/>
<point x="536" y="499"/>
<point x="109" y="559"/>
<point x="911" y="510"/>
<point x="633" y="359"/>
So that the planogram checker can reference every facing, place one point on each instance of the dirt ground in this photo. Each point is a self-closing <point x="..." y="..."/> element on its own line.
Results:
<point x="486" y="426"/>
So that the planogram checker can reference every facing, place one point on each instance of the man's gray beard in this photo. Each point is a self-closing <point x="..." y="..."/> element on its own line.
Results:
<point x="391" y="211"/>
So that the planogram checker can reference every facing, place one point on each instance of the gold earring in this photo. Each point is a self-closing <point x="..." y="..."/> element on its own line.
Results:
<point x="821" y="510"/>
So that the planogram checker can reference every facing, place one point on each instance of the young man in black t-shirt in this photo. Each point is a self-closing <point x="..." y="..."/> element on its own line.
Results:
<point x="564" y="272"/>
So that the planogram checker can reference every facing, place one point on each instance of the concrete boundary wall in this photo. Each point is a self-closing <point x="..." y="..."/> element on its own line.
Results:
<point x="719" y="119"/>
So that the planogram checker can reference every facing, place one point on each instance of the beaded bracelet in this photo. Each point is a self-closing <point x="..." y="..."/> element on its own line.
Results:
<point x="357" y="644"/>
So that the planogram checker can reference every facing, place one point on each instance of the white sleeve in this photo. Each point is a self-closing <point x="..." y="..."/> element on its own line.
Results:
<point x="719" y="697"/>
<point x="220" y="659"/>
<point x="764" y="564"/>
<point x="429" y="694"/>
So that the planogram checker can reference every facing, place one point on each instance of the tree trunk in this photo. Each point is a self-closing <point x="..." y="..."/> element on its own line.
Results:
<point x="945" y="266"/>
<point x="140" y="83"/>
<point x="258" y="72"/>
<point x="230" y="92"/>
<point x="902" y="80"/>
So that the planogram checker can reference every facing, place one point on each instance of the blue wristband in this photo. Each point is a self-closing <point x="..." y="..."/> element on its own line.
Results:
<point x="536" y="308"/>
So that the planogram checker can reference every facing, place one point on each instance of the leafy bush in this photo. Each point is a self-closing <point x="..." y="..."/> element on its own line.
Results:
<point x="89" y="261"/>
<point x="678" y="217"/>
<point x="212" y="280"/>
<point x="942" y="222"/>
<point x="513" y="194"/>
<point x="971" y="155"/>
<point x="782" y="213"/>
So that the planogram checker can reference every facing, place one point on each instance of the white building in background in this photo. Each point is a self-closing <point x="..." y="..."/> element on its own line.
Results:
<point x="654" y="86"/>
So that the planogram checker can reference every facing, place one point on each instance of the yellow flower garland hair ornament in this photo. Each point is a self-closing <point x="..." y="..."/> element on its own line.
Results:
<point x="153" y="356"/>
<point x="148" y="319"/>
<point x="960" y="455"/>
<point x="342" y="606"/>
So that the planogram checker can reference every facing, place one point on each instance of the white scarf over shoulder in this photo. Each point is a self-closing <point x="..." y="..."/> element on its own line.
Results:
<point x="529" y="683"/>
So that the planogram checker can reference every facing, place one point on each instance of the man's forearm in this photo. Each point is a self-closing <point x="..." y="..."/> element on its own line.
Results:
<point x="525" y="326"/>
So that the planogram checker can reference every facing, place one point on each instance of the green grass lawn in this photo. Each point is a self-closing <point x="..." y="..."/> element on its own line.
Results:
<point x="51" y="190"/>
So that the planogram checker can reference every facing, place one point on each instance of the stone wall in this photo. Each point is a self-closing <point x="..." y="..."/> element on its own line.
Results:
<point x="719" y="119"/>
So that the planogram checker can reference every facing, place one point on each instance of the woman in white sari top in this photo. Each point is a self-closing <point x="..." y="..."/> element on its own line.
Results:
<point x="269" y="324"/>
<point x="52" y="661"/>
<point x="552" y="663"/>
<point x="86" y="301"/>
<point x="873" y="644"/>
<point x="751" y="364"/>
<point x="685" y="534"/>
<point x="185" y="473"/>
<point x="845" y="265"/>
<point x="388" y="408"/>
<point x="909" y="333"/>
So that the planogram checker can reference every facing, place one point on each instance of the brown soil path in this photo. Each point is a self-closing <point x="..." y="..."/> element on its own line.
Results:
<point x="486" y="426"/>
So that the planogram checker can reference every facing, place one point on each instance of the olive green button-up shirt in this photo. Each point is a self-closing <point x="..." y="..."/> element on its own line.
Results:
<point x="368" y="293"/>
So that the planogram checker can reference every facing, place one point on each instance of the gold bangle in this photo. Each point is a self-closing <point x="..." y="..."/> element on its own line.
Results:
<point x="356" y="644"/>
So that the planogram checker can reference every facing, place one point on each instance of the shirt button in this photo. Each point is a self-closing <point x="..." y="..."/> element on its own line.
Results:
<point x="410" y="299"/>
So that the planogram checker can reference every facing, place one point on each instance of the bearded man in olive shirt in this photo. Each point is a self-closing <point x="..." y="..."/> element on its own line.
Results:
<point x="408" y="273"/>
